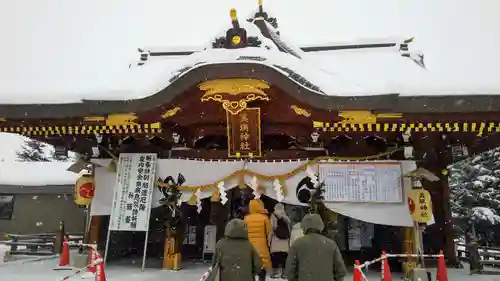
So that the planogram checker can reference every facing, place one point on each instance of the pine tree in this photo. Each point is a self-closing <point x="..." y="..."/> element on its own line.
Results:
<point x="32" y="150"/>
<point x="475" y="194"/>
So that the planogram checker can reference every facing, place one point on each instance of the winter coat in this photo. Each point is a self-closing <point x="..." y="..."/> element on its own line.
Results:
<point x="296" y="233"/>
<point x="314" y="257"/>
<point x="277" y="244"/>
<point x="259" y="228"/>
<point x="235" y="255"/>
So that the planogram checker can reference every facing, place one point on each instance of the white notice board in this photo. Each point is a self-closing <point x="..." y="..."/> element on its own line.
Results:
<point x="209" y="239"/>
<point x="364" y="182"/>
<point x="135" y="181"/>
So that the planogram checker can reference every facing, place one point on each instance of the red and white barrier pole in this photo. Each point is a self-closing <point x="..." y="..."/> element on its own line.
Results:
<point x="80" y="270"/>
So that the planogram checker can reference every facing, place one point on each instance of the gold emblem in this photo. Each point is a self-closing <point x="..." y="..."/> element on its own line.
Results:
<point x="236" y="40"/>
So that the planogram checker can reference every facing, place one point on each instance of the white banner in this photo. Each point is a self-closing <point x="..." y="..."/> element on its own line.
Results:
<point x="298" y="187"/>
<point x="367" y="182"/>
<point x="135" y="181"/>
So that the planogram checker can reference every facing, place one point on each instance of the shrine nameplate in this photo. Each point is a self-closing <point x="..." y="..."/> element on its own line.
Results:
<point x="244" y="133"/>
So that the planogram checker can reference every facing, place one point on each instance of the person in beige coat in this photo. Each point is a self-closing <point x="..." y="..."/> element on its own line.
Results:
<point x="279" y="239"/>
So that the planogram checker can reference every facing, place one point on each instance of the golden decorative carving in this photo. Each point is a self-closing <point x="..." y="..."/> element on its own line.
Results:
<point x="114" y="119"/>
<point x="121" y="119"/>
<point x="171" y="112"/>
<point x="234" y="94"/>
<point x="365" y="116"/>
<point x="94" y="119"/>
<point x="300" y="111"/>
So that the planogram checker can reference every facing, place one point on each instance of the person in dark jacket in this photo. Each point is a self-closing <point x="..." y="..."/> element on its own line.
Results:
<point x="314" y="257"/>
<point x="235" y="255"/>
<point x="473" y="252"/>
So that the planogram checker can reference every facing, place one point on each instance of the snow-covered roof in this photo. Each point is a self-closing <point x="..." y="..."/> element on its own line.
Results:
<point x="360" y="72"/>
<point x="318" y="72"/>
<point x="36" y="173"/>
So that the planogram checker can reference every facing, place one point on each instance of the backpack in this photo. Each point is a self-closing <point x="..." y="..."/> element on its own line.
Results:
<point x="282" y="230"/>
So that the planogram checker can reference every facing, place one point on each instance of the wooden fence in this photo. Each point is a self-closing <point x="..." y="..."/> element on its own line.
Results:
<point x="490" y="256"/>
<point x="43" y="244"/>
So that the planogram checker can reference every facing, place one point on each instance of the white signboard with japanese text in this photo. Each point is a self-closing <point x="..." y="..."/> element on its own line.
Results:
<point x="135" y="182"/>
<point x="363" y="182"/>
<point x="209" y="239"/>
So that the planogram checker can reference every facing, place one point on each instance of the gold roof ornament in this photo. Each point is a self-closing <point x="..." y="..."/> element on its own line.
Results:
<point x="300" y="111"/>
<point x="234" y="94"/>
<point x="233" y="87"/>
<point x="171" y="112"/>
<point x="233" y="14"/>
<point x="121" y="119"/>
<point x="114" y="119"/>
<point x="365" y="116"/>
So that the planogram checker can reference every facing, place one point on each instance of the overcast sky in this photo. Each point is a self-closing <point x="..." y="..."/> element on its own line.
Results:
<point x="63" y="47"/>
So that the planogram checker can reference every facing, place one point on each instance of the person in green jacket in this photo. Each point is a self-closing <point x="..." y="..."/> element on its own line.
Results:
<point x="236" y="257"/>
<point x="314" y="257"/>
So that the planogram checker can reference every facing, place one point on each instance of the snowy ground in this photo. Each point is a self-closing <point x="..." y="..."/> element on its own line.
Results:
<point x="43" y="271"/>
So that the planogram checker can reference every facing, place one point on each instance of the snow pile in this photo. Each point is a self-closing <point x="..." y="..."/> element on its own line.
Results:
<point x="485" y="214"/>
<point x="36" y="173"/>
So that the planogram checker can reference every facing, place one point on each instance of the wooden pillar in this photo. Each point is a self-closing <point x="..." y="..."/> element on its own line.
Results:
<point x="435" y="156"/>
<point x="92" y="236"/>
<point x="445" y="159"/>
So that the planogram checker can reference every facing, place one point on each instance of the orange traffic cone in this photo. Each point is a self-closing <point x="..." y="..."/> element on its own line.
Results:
<point x="357" y="272"/>
<point x="64" y="258"/>
<point x="100" y="274"/>
<point x="442" y="273"/>
<point x="385" y="272"/>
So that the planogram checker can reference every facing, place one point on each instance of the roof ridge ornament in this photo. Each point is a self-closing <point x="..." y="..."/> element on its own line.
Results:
<point x="236" y="37"/>
<point x="261" y="14"/>
<point x="416" y="57"/>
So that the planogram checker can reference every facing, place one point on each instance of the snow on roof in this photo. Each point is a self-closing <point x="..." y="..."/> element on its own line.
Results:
<point x="36" y="173"/>
<point x="380" y="70"/>
<point x="157" y="74"/>
<point x="459" y="53"/>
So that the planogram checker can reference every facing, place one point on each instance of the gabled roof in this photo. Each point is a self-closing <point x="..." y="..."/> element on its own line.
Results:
<point x="352" y="75"/>
<point x="297" y="64"/>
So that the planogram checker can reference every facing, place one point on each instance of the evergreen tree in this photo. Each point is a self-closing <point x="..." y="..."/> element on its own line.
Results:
<point x="475" y="194"/>
<point x="33" y="150"/>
